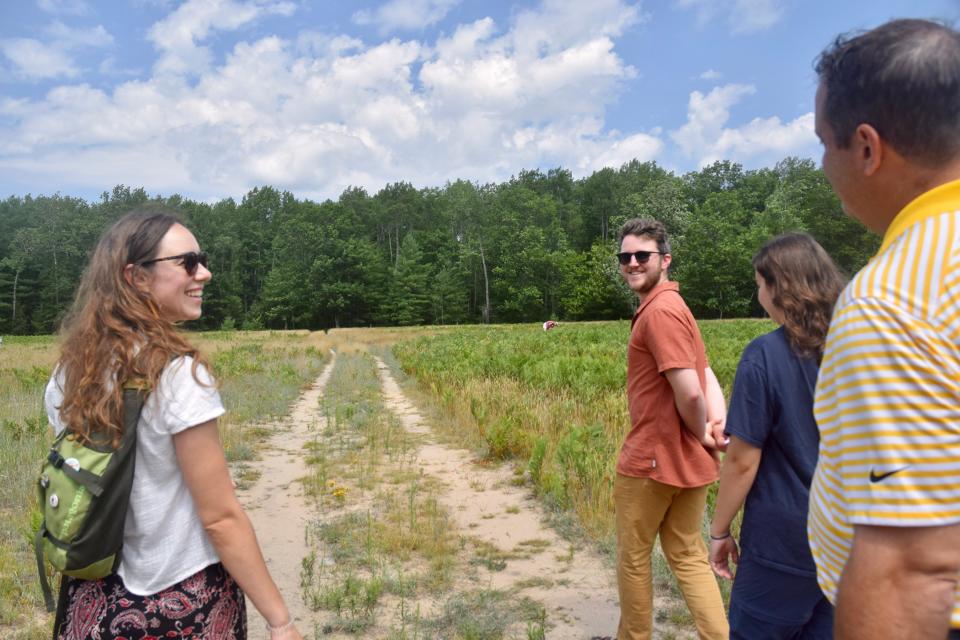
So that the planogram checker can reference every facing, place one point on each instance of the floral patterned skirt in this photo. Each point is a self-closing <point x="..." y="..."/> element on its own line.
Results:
<point x="208" y="605"/>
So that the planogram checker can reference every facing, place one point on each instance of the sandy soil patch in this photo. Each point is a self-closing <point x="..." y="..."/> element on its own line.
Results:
<point x="574" y="585"/>
<point x="278" y="508"/>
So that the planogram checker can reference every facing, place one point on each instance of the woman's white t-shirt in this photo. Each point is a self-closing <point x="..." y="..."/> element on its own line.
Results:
<point x="163" y="539"/>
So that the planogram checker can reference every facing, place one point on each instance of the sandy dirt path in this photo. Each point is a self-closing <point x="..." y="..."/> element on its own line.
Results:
<point x="278" y="507"/>
<point x="577" y="590"/>
<point x="575" y="585"/>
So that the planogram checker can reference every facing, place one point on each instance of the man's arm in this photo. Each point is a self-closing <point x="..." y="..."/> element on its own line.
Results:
<point x="691" y="403"/>
<point x="716" y="409"/>
<point x="900" y="582"/>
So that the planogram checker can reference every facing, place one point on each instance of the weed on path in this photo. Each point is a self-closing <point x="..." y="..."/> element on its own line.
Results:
<point x="277" y="504"/>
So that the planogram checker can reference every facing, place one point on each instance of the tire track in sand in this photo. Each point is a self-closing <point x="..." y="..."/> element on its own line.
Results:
<point x="577" y="588"/>
<point x="278" y="507"/>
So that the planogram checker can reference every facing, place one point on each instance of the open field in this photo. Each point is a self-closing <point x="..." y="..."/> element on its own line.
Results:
<point x="551" y="401"/>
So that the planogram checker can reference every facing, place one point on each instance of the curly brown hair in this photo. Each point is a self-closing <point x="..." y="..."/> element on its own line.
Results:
<point x="114" y="332"/>
<point x="804" y="284"/>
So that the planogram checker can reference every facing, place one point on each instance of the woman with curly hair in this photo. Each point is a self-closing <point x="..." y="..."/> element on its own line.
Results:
<point x="189" y="551"/>
<point x="772" y="451"/>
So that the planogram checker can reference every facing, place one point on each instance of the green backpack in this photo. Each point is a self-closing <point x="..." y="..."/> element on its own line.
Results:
<point x="84" y="492"/>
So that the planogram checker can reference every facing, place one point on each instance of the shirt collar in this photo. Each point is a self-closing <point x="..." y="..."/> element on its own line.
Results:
<point x="931" y="203"/>
<point x="667" y="285"/>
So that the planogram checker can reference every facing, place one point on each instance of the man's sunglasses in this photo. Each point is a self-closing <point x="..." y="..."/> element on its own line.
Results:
<point x="190" y="261"/>
<point x="642" y="256"/>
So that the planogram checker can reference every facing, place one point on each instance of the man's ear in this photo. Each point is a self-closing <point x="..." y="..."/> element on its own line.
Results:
<point x="869" y="146"/>
<point x="666" y="259"/>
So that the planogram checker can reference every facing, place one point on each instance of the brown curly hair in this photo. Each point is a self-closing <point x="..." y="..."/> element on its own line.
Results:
<point x="804" y="284"/>
<point x="114" y="332"/>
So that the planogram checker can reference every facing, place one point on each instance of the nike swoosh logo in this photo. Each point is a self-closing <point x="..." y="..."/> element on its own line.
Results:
<point x="877" y="477"/>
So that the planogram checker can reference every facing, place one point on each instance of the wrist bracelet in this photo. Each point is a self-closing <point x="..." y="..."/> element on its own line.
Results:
<point x="283" y="627"/>
<point x="723" y="537"/>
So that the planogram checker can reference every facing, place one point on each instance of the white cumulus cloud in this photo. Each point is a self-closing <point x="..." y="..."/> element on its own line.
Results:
<point x="740" y="16"/>
<point x="64" y="7"/>
<point x="53" y="58"/>
<point x="70" y="38"/>
<point x="405" y="15"/>
<point x="37" y="60"/>
<point x="179" y="34"/>
<point x="706" y="137"/>
<point x="315" y="113"/>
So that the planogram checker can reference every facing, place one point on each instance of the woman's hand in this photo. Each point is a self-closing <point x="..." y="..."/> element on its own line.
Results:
<point x="284" y="632"/>
<point x="716" y="427"/>
<point x="721" y="553"/>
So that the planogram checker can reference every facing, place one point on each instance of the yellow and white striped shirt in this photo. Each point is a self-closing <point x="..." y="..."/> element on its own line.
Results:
<point x="888" y="394"/>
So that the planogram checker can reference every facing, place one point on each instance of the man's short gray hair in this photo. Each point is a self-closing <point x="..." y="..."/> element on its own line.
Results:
<point x="903" y="79"/>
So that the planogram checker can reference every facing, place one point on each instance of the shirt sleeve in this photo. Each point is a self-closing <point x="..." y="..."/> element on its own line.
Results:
<point x="670" y="340"/>
<point x="53" y="400"/>
<point x="887" y="406"/>
<point x="750" y="415"/>
<point x="184" y="400"/>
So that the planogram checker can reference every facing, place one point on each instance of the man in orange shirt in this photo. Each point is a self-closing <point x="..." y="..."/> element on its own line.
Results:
<point x="669" y="457"/>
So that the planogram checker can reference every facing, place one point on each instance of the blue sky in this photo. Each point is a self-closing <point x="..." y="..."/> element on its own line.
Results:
<point x="210" y="98"/>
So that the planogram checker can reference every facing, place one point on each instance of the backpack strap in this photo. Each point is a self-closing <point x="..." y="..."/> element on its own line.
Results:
<point x="41" y="568"/>
<point x="63" y="601"/>
<point x="81" y="476"/>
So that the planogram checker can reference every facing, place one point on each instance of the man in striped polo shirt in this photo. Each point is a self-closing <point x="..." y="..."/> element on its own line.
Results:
<point x="885" y="503"/>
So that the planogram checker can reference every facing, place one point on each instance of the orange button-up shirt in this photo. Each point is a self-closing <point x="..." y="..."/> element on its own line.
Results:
<point x="658" y="446"/>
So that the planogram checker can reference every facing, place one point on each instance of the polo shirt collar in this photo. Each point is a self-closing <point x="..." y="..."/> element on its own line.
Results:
<point x="668" y="285"/>
<point x="931" y="203"/>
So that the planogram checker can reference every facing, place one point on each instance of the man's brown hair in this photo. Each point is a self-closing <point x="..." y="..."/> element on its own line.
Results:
<point x="647" y="228"/>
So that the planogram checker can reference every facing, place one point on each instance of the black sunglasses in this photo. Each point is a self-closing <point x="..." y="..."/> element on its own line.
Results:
<point x="190" y="261"/>
<point x="641" y="256"/>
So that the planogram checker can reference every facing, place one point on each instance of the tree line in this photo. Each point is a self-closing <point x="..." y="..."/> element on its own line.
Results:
<point x="538" y="246"/>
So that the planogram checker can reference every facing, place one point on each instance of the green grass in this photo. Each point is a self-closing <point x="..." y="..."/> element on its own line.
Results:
<point x="488" y="614"/>
<point x="23" y="444"/>
<point x="554" y="401"/>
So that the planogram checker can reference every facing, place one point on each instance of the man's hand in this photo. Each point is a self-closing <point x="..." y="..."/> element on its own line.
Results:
<point x="710" y="443"/>
<point x="715" y="428"/>
<point x="708" y="440"/>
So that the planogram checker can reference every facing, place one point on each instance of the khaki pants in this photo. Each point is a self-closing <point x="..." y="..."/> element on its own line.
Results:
<point x="645" y="508"/>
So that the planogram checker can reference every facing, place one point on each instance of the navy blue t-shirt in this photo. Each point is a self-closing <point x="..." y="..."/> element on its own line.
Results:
<point x="771" y="408"/>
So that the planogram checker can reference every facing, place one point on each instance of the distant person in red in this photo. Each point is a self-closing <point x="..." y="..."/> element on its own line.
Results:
<point x="669" y="456"/>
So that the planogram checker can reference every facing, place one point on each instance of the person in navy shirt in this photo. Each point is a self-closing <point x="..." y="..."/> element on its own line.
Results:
<point x="772" y="451"/>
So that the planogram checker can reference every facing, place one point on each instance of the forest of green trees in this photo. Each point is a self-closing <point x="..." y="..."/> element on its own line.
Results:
<point x="539" y="246"/>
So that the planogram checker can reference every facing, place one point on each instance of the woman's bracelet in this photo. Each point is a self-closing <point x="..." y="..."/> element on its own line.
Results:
<point x="723" y="537"/>
<point x="287" y="626"/>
